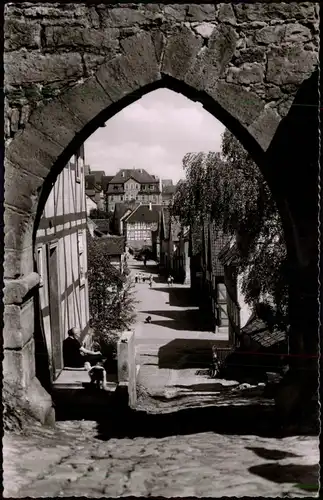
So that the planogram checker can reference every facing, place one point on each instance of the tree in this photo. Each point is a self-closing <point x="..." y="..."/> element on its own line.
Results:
<point x="111" y="299"/>
<point x="95" y="213"/>
<point x="229" y="189"/>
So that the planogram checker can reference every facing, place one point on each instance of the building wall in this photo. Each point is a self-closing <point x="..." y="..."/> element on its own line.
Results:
<point x="90" y="205"/>
<point x="63" y="226"/>
<point x="138" y="231"/>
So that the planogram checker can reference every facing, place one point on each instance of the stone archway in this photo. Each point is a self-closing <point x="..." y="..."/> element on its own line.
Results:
<point x="76" y="66"/>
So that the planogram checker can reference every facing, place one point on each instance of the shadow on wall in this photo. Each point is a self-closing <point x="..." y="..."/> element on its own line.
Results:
<point x="185" y="353"/>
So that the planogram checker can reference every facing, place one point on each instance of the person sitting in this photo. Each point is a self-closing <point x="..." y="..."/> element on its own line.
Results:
<point x="75" y="355"/>
<point x="148" y="319"/>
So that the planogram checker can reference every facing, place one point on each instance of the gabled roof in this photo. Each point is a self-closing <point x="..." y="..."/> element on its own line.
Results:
<point x="168" y="189"/>
<point x="139" y="175"/>
<point x="143" y="214"/>
<point x="103" y="225"/>
<point x="229" y="253"/>
<point x="91" y="184"/>
<point x="106" y="179"/>
<point x="259" y="331"/>
<point x="114" y="245"/>
<point x="121" y="208"/>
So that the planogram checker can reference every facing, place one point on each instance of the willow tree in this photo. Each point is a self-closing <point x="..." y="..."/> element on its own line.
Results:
<point x="228" y="189"/>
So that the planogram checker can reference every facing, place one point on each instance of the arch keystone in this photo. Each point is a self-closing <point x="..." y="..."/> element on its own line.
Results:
<point x="180" y="52"/>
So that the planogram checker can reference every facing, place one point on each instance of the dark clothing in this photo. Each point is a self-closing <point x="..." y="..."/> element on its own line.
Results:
<point x="72" y="356"/>
<point x="71" y="353"/>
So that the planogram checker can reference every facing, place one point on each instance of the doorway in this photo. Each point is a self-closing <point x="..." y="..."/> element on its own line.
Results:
<point x="54" y="308"/>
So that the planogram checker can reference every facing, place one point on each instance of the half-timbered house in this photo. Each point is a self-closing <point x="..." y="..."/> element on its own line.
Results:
<point x="61" y="256"/>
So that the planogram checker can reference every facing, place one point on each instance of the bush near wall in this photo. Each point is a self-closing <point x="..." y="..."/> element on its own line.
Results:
<point x="112" y="304"/>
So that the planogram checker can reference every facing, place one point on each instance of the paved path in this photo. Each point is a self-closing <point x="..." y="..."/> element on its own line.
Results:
<point x="192" y="452"/>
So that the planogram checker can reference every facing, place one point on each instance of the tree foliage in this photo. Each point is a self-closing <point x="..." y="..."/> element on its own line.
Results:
<point x="96" y="213"/>
<point x="112" y="304"/>
<point x="229" y="189"/>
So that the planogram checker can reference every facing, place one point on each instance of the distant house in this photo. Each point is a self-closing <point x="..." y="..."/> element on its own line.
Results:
<point x="139" y="225"/>
<point x="121" y="211"/>
<point x="115" y="248"/>
<point x="94" y="191"/>
<point x="133" y="185"/>
<point x="168" y="190"/>
<point x="90" y="204"/>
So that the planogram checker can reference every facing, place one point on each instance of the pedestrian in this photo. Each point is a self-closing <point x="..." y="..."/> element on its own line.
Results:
<point x="150" y="281"/>
<point x="139" y="278"/>
<point x="136" y="278"/>
<point x="169" y="280"/>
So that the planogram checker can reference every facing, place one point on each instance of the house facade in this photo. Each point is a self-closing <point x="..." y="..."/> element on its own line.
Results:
<point x="168" y="191"/>
<point x="133" y="185"/>
<point x="61" y="257"/>
<point x="140" y="224"/>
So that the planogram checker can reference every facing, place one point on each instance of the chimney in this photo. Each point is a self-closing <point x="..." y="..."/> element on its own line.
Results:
<point x="122" y="174"/>
<point x="150" y="206"/>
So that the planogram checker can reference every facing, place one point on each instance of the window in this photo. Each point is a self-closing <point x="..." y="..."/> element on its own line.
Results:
<point x="40" y="264"/>
<point x="121" y="197"/>
<point x="77" y="165"/>
<point x="80" y="241"/>
<point x="111" y="198"/>
<point x="137" y="187"/>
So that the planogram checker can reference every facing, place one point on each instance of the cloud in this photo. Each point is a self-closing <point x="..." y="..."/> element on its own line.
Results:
<point x="154" y="133"/>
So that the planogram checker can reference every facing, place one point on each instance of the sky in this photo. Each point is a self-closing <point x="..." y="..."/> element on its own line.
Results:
<point x="154" y="133"/>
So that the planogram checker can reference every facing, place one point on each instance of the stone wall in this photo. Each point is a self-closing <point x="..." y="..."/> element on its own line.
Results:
<point x="66" y="64"/>
<point x="260" y="52"/>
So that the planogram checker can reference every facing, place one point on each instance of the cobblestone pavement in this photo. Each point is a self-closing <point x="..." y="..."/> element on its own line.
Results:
<point x="71" y="461"/>
<point x="175" y="444"/>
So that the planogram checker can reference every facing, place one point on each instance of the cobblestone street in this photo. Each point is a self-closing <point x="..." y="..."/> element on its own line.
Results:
<point x="70" y="461"/>
<point x="193" y="445"/>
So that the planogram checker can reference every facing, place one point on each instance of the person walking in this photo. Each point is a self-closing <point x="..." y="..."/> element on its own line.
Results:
<point x="136" y="278"/>
<point x="150" y="281"/>
<point x="169" y="280"/>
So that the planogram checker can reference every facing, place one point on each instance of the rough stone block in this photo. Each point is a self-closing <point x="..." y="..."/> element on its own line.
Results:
<point x="24" y="198"/>
<point x="33" y="67"/>
<point x="176" y="12"/>
<point x="92" y="62"/>
<point x="134" y="70"/>
<point x="274" y="11"/>
<point x="244" y="106"/>
<point x="213" y="59"/>
<point x="122" y="16"/>
<point x="16" y="290"/>
<point x="283" y="33"/>
<point x="290" y="65"/>
<point x="39" y="403"/>
<point x="202" y="12"/>
<point x="56" y="121"/>
<point x="87" y="99"/>
<point x="204" y="29"/>
<point x="19" y="366"/>
<point x="18" y="229"/>
<point x="264" y="128"/>
<point x="101" y="41"/>
<point x="180" y="52"/>
<point x="33" y="151"/>
<point x="226" y="14"/>
<point x="20" y="33"/>
<point x="18" y="325"/>
<point x="249" y="55"/>
<point x="246" y="74"/>
<point x="18" y="262"/>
